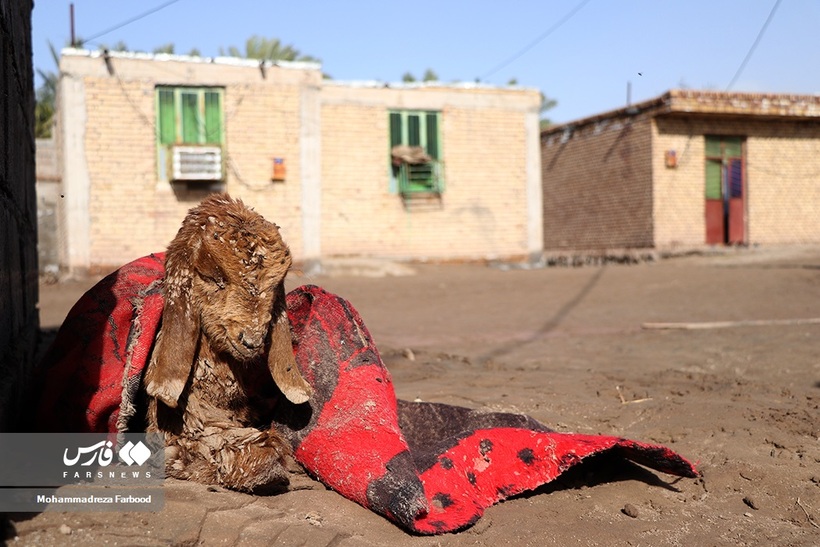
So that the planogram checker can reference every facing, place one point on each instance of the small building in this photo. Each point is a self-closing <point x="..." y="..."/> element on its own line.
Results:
<point x="400" y="171"/>
<point x="686" y="169"/>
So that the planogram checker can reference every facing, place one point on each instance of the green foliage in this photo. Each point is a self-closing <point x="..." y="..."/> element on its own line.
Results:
<point x="429" y="76"/>
<point x="119" y="46"/>
<point x="45" y="98"/>
<point x="167" y="48"/>
<point x="546" y="104"/>
<point x="268" y="49"/>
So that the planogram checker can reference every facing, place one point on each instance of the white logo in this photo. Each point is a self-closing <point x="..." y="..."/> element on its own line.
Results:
<point x="129" y="454"/>
<point x="132" y="453"/>
<point x="101" y="452"/>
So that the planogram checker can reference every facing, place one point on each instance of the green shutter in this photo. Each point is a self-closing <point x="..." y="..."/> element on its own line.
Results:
<point x="213" y="118"/>
<point x="166" y="116"/>
<point x="432" y="134"/>
<point x="732" y="147"/>
<point x="395" y="129"/>
<point x="413" y="130"/>
<point x="713" y="147"/>
<point x="190" y="117"/>
<point x="713" y="170"/>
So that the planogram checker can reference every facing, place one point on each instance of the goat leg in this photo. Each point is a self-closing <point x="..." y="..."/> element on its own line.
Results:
<point x="239" y="458"/>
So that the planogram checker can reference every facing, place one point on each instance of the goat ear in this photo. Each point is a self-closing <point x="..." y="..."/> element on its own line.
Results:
<point x="175" y="349"/>
<point x="281" y="362"/>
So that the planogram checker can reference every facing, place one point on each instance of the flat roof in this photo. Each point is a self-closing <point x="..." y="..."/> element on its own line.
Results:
<point x="711" y="103"/>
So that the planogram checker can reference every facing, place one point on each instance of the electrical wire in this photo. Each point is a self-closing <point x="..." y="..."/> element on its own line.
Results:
<point x="128" y="22"/>
<point x="535" y="42"/>
<point x="754" y="45"/>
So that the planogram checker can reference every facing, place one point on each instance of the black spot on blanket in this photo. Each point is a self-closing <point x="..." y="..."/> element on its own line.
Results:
<point x="526" y="455"/>
<point x="442" y="500"/>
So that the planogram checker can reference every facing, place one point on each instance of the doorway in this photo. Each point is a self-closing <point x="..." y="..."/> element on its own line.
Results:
<point x="725" y="190"/>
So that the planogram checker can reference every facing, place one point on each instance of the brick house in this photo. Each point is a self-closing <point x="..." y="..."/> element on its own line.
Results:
<point x="142" y="138"/>
<point x="686" y="169"/>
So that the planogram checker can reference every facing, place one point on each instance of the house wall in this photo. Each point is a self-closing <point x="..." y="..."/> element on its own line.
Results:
<point x="489" y="140"/>
<point x="333" y="137"/>
<point x="116" y="208"/>
<point x="18" y="210"/>
<point x="48" y="195"/>
<point x="783" y="198"/>
<point x="598" y="185"/>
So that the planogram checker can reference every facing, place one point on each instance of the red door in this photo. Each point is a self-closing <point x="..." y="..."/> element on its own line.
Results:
<point x="736" y="206"/>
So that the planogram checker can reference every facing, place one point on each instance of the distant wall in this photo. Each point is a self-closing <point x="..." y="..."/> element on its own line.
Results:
<point x="490" y="206"/>
<point x="598" y="186"/>
<point x="336" y="199"/>
<point x="48" y="196"/>
<point x="782" y="166"/>
<point x="18" y="208"/>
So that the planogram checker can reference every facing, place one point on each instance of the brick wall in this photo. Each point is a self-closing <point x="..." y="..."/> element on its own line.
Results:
<point x="116" y="207"/>
<point x="679" y="192"/>
<point x="483" y="210"/>
<point x="48" y="196"/>
<point x="336" y="198"/>
<point x="18" y="215"/>
<point x="782" y="165"/>
<point x="598" y="185"/>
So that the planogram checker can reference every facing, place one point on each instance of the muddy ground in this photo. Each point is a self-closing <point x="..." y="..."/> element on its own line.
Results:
<point x="566" y="345"/>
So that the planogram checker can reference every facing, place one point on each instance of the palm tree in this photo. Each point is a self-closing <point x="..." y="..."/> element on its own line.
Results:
<point x="267" y="49"/>
<point x="45" y="98"/>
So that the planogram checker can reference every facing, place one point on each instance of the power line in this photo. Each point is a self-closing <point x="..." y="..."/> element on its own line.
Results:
<point x="754" y="45"/>
<point x="538" y="40"/>
<point x="129" y="21"/>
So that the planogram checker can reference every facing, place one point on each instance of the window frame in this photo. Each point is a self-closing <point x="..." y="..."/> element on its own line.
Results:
<point x="415" y="129"/>
<point x="174" y="127"/>
<point x="732" y="152"/>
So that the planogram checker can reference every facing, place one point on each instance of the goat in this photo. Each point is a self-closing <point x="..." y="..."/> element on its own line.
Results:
<point x="224" y="350"/>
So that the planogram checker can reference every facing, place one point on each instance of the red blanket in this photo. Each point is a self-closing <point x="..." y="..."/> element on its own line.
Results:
<point x="431" y="468"/>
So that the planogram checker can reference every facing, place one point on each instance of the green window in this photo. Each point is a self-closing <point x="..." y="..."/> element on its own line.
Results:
<point x="415" y="152"/>
<point x="190" y="133"/>
<point x="724" y="160"/>
<point x="189" y="115"/>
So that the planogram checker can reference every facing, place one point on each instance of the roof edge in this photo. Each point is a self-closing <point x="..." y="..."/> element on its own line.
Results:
<point x="220" y="60"/>
<point x="725" y="103"/>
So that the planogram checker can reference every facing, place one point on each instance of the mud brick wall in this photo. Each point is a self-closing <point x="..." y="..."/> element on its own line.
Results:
<point x="18" y="208"/>
<point x="782" y="195"/>
<point x="117" y="207"/>
<point x="336" y="199"/>
<point x="485" y="153"/>
<point x="598" y="186"/>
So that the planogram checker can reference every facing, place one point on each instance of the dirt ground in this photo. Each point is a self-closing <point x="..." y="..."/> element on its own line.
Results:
<point x="566" y="346"/>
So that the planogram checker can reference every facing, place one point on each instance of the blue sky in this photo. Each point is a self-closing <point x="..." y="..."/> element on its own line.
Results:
<point x="584" y="62"/>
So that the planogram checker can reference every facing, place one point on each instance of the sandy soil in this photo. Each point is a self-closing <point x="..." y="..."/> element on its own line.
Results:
<point x="566" y="345"/>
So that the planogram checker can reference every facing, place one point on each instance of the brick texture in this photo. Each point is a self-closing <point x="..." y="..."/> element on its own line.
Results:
<point x="482" y="213"/>
<point x="342" y="137"/>
<point x="598" y="186"/>
<point x="607" y="185"/>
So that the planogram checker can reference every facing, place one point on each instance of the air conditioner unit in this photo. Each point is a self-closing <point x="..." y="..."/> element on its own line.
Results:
<point x="196" y="163"/>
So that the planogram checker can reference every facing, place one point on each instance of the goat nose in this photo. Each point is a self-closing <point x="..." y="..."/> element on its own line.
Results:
<point x="251" y="341"/>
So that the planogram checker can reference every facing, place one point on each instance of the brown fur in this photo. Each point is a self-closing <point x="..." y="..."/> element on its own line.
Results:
<point x="224" y="349"/>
